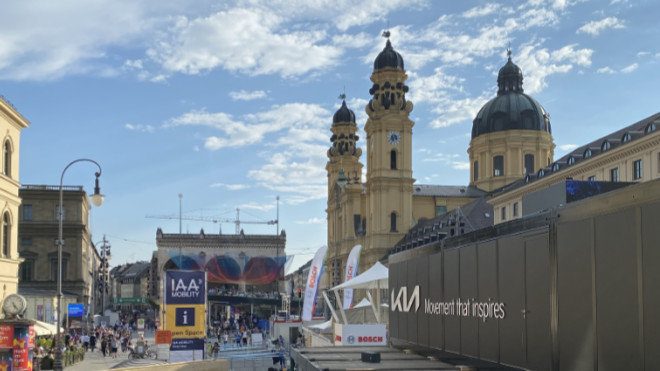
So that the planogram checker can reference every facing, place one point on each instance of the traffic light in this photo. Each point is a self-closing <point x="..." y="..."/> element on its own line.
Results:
<point x="300" y="293"/>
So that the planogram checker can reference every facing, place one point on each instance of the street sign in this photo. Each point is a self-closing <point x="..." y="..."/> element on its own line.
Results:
<point x="163" y="337"/>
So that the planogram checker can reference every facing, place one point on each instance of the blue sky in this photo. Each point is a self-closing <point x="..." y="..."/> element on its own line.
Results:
<point x="230" y="103"/>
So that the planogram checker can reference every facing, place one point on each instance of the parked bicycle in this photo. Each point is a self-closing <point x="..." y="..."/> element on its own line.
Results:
<point x="142" y="352"/>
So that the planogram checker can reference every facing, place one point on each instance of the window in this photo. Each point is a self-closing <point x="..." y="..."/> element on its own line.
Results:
<point x="27" y="212"/>
<point x="650" y="128"/>
<point x="503" y="210"/>
<point x="26" y="241"/>
<point x="26" y="270"/>
<point x="626" y="138"/>
<point x="393" y="160"/>
<point x="5" y="235"/>
<point x="515" y="209"/>
<point x="592" y="178"/>
<point x="571" y="160"/>
<point x="541" y="173"/>
<point x="440" y="210"/>
<point x="7" y="169"/>
<point x="529" y="164"/>
<point x="587" y="153"/>
<point x="637" y="169"/>
<point x="555" y="167"/>
<point x="393" y="222"/>
<point x="614" y="174"/>
<point x="57" y="213"/>
<point x="498" y="165"/>
<point x="475" y="171"/>
<point x="53" y="268"/>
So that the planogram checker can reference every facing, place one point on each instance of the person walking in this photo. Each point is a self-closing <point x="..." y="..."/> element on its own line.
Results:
<point x="115" y="345"/>
<point x="215" y="351"/>
<point x="92" y="341"/>
<point x="85" y="341"/>
<point x="104" y="345"/>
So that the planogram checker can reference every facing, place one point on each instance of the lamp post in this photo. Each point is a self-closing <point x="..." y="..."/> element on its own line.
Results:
<point x="105" y="257"/>
<point x="97" y="200"/>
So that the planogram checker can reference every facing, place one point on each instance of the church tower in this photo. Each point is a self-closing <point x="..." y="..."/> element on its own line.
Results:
<point x="511" y="135"/>
<point x="344" y="209"/>
<point x="389" y="156"/>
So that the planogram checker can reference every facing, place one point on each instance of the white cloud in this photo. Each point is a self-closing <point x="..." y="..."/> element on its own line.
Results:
<point x="481" y="11"/>
<point x="140" y="127"/>
<point x="606" y="70"/>
<point x="247" y="95"/>
<point x="567" y="147"/>
<point x="539" y="63"/>
<point x="594" y="28"/>
<point x="231" y="187"/>
<point x="312" y="221"/>
<point x="630" y="68"/>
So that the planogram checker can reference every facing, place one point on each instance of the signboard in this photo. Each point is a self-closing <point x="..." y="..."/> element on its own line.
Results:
<point x="360" y="335"/>
<point x="6" y="336"/>
<point x="164" y="337"/>
<point x="186" y="350"/>
<point x="22" y="352"/>
<point x="75" y="310"/>
<point x="129" y="300"/>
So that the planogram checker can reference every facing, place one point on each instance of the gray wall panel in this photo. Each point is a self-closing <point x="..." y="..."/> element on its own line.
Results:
<point x="574" y="289"/>
<point x="395" y="271"/>
<point x="469" y="291"/>
<point x="451" y="282"/>
<point x="511" y="276"/>
<point x="411" y="317"/>
<point x="617" y="317"/>
<point x="537" y="270"/>
<point x="489" y="345"/>
<point x="651" y="276"/>
<point x="422" y="266"/>
<point x="436" y="327"/>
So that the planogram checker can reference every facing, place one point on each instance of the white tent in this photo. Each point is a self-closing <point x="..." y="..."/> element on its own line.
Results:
<point x="375" y="277"/>
<point x="43" y="328"/>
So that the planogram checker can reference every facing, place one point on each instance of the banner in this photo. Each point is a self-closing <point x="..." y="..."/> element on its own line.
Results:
<point x="313" y="278"/>
<point x="351" y="271"/>
<point x="185" y="304"/>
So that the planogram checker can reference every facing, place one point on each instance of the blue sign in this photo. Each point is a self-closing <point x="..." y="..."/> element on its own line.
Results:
<point x="185" y="316"/>
<point x="76" y="310"/>
<point x="183" y="287"/>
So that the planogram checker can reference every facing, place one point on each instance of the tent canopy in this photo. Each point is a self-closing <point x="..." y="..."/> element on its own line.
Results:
<point x="43" y="328"/>
<point x="373" y="278"/>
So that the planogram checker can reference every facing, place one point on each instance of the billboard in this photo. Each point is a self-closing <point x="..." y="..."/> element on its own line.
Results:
<point x="185" y="309"/>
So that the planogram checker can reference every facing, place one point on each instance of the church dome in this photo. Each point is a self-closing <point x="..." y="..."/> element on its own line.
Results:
<point x="388" y="58"/>
<point x="343" y="114"/>
<point x="511" y="109"/>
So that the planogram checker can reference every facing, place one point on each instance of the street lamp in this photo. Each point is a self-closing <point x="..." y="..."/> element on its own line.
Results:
<point x="97" y="200"/>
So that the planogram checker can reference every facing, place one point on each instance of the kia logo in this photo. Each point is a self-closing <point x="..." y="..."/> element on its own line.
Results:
<point x="403" y="303"/>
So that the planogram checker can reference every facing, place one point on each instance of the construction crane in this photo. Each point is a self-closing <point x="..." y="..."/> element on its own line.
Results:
<point x="215" y="219"/>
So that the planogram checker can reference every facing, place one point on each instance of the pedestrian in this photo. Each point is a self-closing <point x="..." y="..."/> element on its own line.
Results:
<point x="115" y="345"/>
<point x="85" y="340"/>
<point x="215" y="352"/>
<point x="92" y="341"/>
<point x="104" y="345"/>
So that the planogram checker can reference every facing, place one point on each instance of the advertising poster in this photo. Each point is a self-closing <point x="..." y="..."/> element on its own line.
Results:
<point x="185" y="314"/>
<point x="22" y="356"/>
<point x="351" y="271"/>
<point x="6" y="336"/>
<point x="75" y="314"/>
<point x="40" y="312"/>
<point x="315" y="271"/>
<point x="6" y="361"/>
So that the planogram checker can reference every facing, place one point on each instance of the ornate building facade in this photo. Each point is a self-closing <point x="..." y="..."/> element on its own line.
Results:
<point x="11" y="124"/>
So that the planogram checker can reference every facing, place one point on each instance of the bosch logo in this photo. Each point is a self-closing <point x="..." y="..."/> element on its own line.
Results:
<point x="351" y="339"/>
<point x="370" y="339"/>
<point x="312" y="277"/>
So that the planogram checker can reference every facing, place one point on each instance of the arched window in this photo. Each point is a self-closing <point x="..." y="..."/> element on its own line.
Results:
<point x="587" y="153"/>
<point x="650" y="128"/>
<point x="571" y="160"/>
<point x="529" y="164"/>
<point x="393" y="160"/>
<point x="7" y="153"/>
<point x="5" y="235"/>
<point x="498" y="165"/>
<point x="393" y="222"/>
<point x="541" y="173"/>
<point x="626" y="138"/>
<point x="475" y="171"/>
<point x="555" y="167"/>
<point x="605" y="146"/>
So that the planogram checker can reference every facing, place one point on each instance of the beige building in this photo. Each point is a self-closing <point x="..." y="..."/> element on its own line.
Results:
<point x="11" y="124"/>
<point x="38" y="232"/>
<point x="378" y="213"/>
<point x="631" y="154"/>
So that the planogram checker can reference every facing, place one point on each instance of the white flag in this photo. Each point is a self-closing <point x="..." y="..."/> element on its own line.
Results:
<point x="312" y="286"/>
<point x="351" y="271"/>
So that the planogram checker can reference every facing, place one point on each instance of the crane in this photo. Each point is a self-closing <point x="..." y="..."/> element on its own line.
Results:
<point x="215" y="219"/>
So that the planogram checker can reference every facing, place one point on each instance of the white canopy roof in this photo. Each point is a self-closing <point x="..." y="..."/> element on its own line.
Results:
<point x="43" y="328"/>
<point x="366" y="303"/>
<point x="322" y="326"/>
<point x="373" y="278"/>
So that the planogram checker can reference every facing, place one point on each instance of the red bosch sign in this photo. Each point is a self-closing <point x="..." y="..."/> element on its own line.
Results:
<point x="312" y="277"/>
<point x="370" y="339"/>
